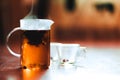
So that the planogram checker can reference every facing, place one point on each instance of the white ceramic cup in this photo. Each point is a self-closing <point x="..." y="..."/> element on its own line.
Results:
<point x="67" y="54"/>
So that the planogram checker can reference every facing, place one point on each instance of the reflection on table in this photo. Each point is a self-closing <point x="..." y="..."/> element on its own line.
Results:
<point x="101" y="63"/>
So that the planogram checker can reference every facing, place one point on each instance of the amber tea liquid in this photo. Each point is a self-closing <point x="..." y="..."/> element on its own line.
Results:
<point x="35" y="49"/>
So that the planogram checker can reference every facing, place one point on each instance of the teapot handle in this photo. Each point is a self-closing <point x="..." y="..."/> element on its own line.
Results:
<point x="7" y="39"/>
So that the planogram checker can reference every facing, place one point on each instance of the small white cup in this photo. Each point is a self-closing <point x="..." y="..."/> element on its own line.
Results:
<point x="67" y="53"/>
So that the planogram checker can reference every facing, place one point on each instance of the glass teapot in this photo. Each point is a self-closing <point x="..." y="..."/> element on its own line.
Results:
<point x="35" y="46"/>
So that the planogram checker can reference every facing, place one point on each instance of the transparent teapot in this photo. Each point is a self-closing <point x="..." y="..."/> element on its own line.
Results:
<point x="35" y="46"/>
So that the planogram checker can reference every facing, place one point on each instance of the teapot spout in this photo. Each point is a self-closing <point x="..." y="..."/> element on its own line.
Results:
<point x="45" y="24"/>
<point x="49" y="23"/>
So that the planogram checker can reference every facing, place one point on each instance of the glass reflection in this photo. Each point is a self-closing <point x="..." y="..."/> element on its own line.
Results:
<point x="28" y="74"/>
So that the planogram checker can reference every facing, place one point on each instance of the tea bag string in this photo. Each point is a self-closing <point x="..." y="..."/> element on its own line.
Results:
<point x="30" y="15"/>
<point x="31" y="10"/>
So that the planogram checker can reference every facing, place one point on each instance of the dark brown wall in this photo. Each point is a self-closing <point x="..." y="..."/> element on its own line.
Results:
<point x="83" y="22"/>
<point x="11" y="12"/>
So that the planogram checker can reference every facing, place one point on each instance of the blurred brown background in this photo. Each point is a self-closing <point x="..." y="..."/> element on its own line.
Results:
<point x="75" y="20"/>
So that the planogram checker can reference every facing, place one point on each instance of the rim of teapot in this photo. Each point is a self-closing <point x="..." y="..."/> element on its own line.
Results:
<point x="35" y="24"/>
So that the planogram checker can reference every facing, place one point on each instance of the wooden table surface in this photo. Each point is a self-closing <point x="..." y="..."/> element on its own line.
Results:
<point x="101" y="63"/>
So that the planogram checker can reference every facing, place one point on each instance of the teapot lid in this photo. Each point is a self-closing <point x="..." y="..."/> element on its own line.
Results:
<point x="35" y="24"/>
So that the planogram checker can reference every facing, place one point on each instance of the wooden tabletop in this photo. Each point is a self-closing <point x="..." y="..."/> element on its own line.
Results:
<point x="101" y="63"/>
